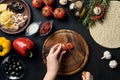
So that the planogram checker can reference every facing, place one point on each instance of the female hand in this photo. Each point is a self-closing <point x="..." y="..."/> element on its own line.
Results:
<point x="53" y="61"/>
<point x="87" y="76"/>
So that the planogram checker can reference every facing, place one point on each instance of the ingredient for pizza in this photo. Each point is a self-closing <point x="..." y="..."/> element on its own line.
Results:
<point x="32" y="28"/>
<point x="46" y="27"/>
<point x="3" y="7"/>
<point x="97" y="10"/>
<point x="64" y="48"/>
<point x="63" y="2"/>
<point x="24" y="46"/>
<point x="106" y="55"/>
<point x="113" y="64"/>
<point x="13" y="68"/>
<point x="6" y="19"/>
<point x="69" y="45"/>
<point x="16" y="7"/>
<point x="97" y="17"/>
<point x="48" y="2"/>
<point x="18" y="21"/>
<point x="78" y="4"/>
<point x="72" y="6"/>
<point x="59" y="13"/>
<point x="37" y="3"/>
<point x="5" y="46"/>
<point x="47" y="11"/>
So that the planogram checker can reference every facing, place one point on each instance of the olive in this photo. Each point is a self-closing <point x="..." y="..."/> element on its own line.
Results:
<point x="20" y="7"/>
<point x="6" y="64"/>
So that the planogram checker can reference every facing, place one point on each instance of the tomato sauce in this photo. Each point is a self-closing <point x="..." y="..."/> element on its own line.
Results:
<point x="45" y="28"/>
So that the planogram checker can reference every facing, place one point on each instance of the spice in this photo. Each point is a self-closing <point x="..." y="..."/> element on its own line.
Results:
<point x="32" y="28"/>
<point x="106" y="55"/>
<point x="45" y="28"/>
<point x="113" y="64"/>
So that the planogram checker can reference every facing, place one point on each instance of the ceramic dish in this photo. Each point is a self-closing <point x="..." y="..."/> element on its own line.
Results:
<point x="13" y="67"/>
<point x="26" y="12"/>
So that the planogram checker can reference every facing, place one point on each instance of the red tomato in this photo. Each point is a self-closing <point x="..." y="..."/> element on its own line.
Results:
<point x="59" y="13"/>
<point x="37" y="3"/>
<point x="63" y="47"/>
<point x="70" y="45"/>
<point x="48" y="2"/>
<point x="47" y="11"/>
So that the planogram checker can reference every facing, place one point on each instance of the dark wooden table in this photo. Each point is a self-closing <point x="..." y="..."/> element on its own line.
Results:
<point x="36" y="68"/>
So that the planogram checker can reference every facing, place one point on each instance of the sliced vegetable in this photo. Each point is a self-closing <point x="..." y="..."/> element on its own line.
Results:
<point x="70" y="45"/>
<point x="102" y="13"/>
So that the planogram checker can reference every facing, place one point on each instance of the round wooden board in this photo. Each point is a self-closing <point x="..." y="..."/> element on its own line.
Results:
<point x="70" y="64"/>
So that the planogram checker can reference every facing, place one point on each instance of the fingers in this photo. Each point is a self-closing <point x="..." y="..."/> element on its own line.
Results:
<point x="58" y="49"/>
<point x="61" y="54"/>
<point x="83" y="77"/>
<point x="52" y="50"/>
<point x="87" y="76"/>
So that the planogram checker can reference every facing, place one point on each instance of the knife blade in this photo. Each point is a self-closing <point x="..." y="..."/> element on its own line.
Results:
<point x="70" y="52"/>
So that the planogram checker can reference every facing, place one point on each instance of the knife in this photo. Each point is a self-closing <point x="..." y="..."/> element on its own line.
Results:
<point x="72" y="55"/>
<point x="70" y="52"/>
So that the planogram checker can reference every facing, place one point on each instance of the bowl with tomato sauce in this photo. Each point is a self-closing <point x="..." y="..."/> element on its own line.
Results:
<point x="46" y="27"/>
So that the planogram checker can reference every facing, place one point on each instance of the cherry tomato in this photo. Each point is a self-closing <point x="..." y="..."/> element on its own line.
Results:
<point x="37" y="3"/>
<point x="63" y="47"/>
<point x="70" y="45"/>
<point x="49" y="2"/>
<point x="59" y="13"/>
<point x="47" y="11"/>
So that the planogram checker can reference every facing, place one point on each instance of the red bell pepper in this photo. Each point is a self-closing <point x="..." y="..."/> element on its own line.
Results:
<point x="23" y="46"/>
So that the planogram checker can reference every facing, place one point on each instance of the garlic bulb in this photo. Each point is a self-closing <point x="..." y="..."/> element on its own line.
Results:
<point x="63" y="2"/>
<point x="113" y="64"/>
<point x="97" y="10"/>
<point x="106" y="55"/>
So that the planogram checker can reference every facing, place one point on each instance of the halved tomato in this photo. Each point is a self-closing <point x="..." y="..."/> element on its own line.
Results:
<point x="70" y="45"/>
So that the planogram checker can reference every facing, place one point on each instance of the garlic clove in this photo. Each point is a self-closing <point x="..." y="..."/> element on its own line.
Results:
<point x="106" y="55"/>
<point x="113" y="64"/>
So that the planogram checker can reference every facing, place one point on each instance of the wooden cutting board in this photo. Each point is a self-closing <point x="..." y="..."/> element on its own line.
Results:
<point x="70" y="64"/>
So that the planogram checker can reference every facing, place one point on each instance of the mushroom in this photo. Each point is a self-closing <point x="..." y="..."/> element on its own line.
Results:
<point x="78" y="4"/>
<point x="97" y="10"/>
<point x="106" y="55"/>
<point x="113" y="64"/>
<point x="63" y="2"/>
<point x="72" y="6"/>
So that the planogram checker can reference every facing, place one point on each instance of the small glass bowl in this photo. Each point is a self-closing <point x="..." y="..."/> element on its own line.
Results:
<point x="46" y="28"/>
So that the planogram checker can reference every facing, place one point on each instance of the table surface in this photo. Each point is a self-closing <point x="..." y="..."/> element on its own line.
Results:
<point x="36" y="68"/>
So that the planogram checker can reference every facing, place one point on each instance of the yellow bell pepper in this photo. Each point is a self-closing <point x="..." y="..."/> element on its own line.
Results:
<point x="5" y="46"/>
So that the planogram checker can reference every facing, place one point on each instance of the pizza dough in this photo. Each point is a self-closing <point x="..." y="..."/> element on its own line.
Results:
<point x="107" y="34"/>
